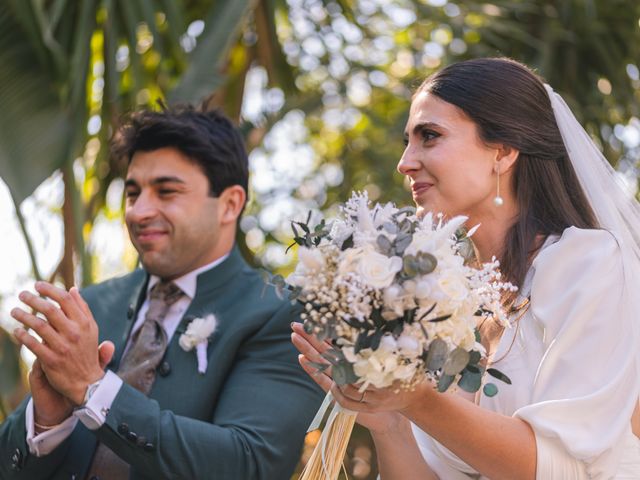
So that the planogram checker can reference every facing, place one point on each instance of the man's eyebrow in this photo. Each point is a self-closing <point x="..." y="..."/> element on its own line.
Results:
<point x="167" y="179"/>
<point x="130" y="182"/>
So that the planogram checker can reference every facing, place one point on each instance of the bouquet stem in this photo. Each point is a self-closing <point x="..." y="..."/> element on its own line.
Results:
<point x="328" y="455"/>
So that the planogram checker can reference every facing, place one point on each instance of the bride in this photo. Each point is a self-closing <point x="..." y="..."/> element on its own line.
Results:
<point x="487" y="139"/>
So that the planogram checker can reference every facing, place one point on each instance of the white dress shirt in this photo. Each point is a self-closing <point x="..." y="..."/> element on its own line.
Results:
<point x="571" y="359"/>
<point x="94" y="413"/>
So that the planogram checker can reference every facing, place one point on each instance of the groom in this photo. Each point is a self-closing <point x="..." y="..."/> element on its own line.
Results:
<point x="235" y="407"/>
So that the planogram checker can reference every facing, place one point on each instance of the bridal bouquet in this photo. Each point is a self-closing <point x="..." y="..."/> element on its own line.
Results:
<point x="398" y="301"/>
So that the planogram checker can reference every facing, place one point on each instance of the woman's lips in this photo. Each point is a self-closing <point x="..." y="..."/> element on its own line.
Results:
<point x="419" y="188"/>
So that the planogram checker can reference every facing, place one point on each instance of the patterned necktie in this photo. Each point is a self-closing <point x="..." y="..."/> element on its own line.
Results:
<point x="138" y="369"/>
<point x="138" y="366"/>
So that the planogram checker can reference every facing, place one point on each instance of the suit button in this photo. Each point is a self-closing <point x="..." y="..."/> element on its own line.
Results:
<point x="130" y="312"/>
<point x="17" y="459"/>
<point x="164" y="369"/>
<point x="141" y="441"/>
<point x="123" y="429"/>
<point x="132" y="436"/>
<point x="149" y="447"/>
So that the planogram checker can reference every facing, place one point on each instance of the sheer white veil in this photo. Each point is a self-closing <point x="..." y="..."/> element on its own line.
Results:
<point x="615" y="209"/>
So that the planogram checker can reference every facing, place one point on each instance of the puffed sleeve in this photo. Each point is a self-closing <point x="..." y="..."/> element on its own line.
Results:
<point x="586" y="385"/>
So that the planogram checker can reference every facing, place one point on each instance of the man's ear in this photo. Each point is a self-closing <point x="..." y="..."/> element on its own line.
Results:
<point x="505" y="159"/>
<point x="230" y="204"/>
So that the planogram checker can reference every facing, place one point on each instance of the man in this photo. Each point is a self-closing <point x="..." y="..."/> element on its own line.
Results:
<point x="236" y="406"/>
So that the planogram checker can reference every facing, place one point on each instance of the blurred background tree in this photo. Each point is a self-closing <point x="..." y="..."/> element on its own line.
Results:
<point x="320" y="88"/>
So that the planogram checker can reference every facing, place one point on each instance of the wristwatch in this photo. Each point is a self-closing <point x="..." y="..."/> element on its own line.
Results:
<point x="90" y="391"/>
<point x="87" y="416"/>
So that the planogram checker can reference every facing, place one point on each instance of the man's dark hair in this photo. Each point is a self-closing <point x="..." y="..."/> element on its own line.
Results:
<point x="208" y="138"/>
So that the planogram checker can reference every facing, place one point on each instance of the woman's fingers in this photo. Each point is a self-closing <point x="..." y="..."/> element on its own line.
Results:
<point x="348" y="402"/>
<point x="321" y="378"/>
<point x="307" y="348"/>
<point x="318" y="345"/>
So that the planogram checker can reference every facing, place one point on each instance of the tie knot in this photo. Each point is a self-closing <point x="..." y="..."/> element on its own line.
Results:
<point x="166" y="292"/>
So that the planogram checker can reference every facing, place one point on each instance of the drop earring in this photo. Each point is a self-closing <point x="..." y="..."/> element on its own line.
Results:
<point x="498" y="201"/>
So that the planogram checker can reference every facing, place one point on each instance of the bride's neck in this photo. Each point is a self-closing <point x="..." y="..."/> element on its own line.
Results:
<point x="489" y="239"/>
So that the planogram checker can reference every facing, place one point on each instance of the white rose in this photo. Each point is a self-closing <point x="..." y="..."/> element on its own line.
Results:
<point x="377" y="270"/>
<point x="454" y="286"/>
<point x="409" y="346"/>
<point x="387" y="343"/>
<point x="348" y="260"/>
<point x="422" y="241"/>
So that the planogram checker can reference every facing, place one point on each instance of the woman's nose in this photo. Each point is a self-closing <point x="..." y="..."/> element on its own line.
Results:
<point x="408" y="162"/>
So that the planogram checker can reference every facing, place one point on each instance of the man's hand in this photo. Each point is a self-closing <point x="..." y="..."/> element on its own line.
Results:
<point x="68" y="353"/>
<point x="50" y="407"/>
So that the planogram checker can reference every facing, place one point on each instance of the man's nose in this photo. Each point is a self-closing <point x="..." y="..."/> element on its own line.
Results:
<point x="143" y="208"/>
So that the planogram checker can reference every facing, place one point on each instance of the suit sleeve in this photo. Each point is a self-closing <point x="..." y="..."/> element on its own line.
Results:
<point x="258" y="425"/>
<point x="16" y="462"/>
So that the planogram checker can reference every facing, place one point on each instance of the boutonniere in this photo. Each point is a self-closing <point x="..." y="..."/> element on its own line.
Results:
<point x="197" y="335"/>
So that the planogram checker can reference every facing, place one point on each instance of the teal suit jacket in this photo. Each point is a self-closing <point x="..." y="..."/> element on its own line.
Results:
<point x="245" y="418"/>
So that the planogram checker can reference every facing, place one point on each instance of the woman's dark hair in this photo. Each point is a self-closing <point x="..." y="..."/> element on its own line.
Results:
<point x="510" y="106"/>
<point x="207" y="138"/>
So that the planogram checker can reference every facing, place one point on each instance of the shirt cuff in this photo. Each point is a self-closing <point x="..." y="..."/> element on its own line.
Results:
<point x="94" y="413"/>
<point x="553" y="461"/>
<point x="47" y="441"/>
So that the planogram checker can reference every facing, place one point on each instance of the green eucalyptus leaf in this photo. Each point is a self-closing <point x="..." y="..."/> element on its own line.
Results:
<point x="445" y="382"/>
<point x="427" y="263"/>
<point x="456" y="362"/>
<point x="441" y="318"/>
<point x="390" y="227"/>
<point x="409" y="265"/>
<point x="320" y="367"/>
<point x="375" y="339"/>
<point x="465" y="248"/>
<point x="437" y="354"/>
<point x="343" y="373"/>
<point x="402" y="241"/>
<point x="384" y="244"/>
<point x="490" y="390"/>
<point x="474" y="357"/>
<point x="499" y="375"/>
<point x="470" y="381"/>
<point x="348" y="243"/>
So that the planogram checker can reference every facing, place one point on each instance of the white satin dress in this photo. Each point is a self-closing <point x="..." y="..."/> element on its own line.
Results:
<point x="572" y="361"/>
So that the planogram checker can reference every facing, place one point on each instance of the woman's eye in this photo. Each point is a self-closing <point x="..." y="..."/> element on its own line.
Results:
<point x="428" y="135"/>
<point x="166" y="191"/>
<point x="131" y="194"/>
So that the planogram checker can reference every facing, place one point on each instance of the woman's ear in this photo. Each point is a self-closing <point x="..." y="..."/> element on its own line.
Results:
<point x="506" y="157"/>
<point x="230" y="204"/>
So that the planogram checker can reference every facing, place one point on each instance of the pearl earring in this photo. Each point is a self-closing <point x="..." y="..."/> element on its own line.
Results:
<point x="498" y="201"/>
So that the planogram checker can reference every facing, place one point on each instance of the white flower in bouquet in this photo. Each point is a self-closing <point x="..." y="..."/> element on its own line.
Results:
<point x="399" y="302"/>
<point x="377" y="270"/>
<point x="395" y="295"/>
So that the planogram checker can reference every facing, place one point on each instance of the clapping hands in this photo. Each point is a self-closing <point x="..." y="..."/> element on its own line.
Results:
<point x="68" y="359"/>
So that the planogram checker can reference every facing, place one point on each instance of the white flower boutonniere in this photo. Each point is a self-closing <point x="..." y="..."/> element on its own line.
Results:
<point x="197" y="335"/>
